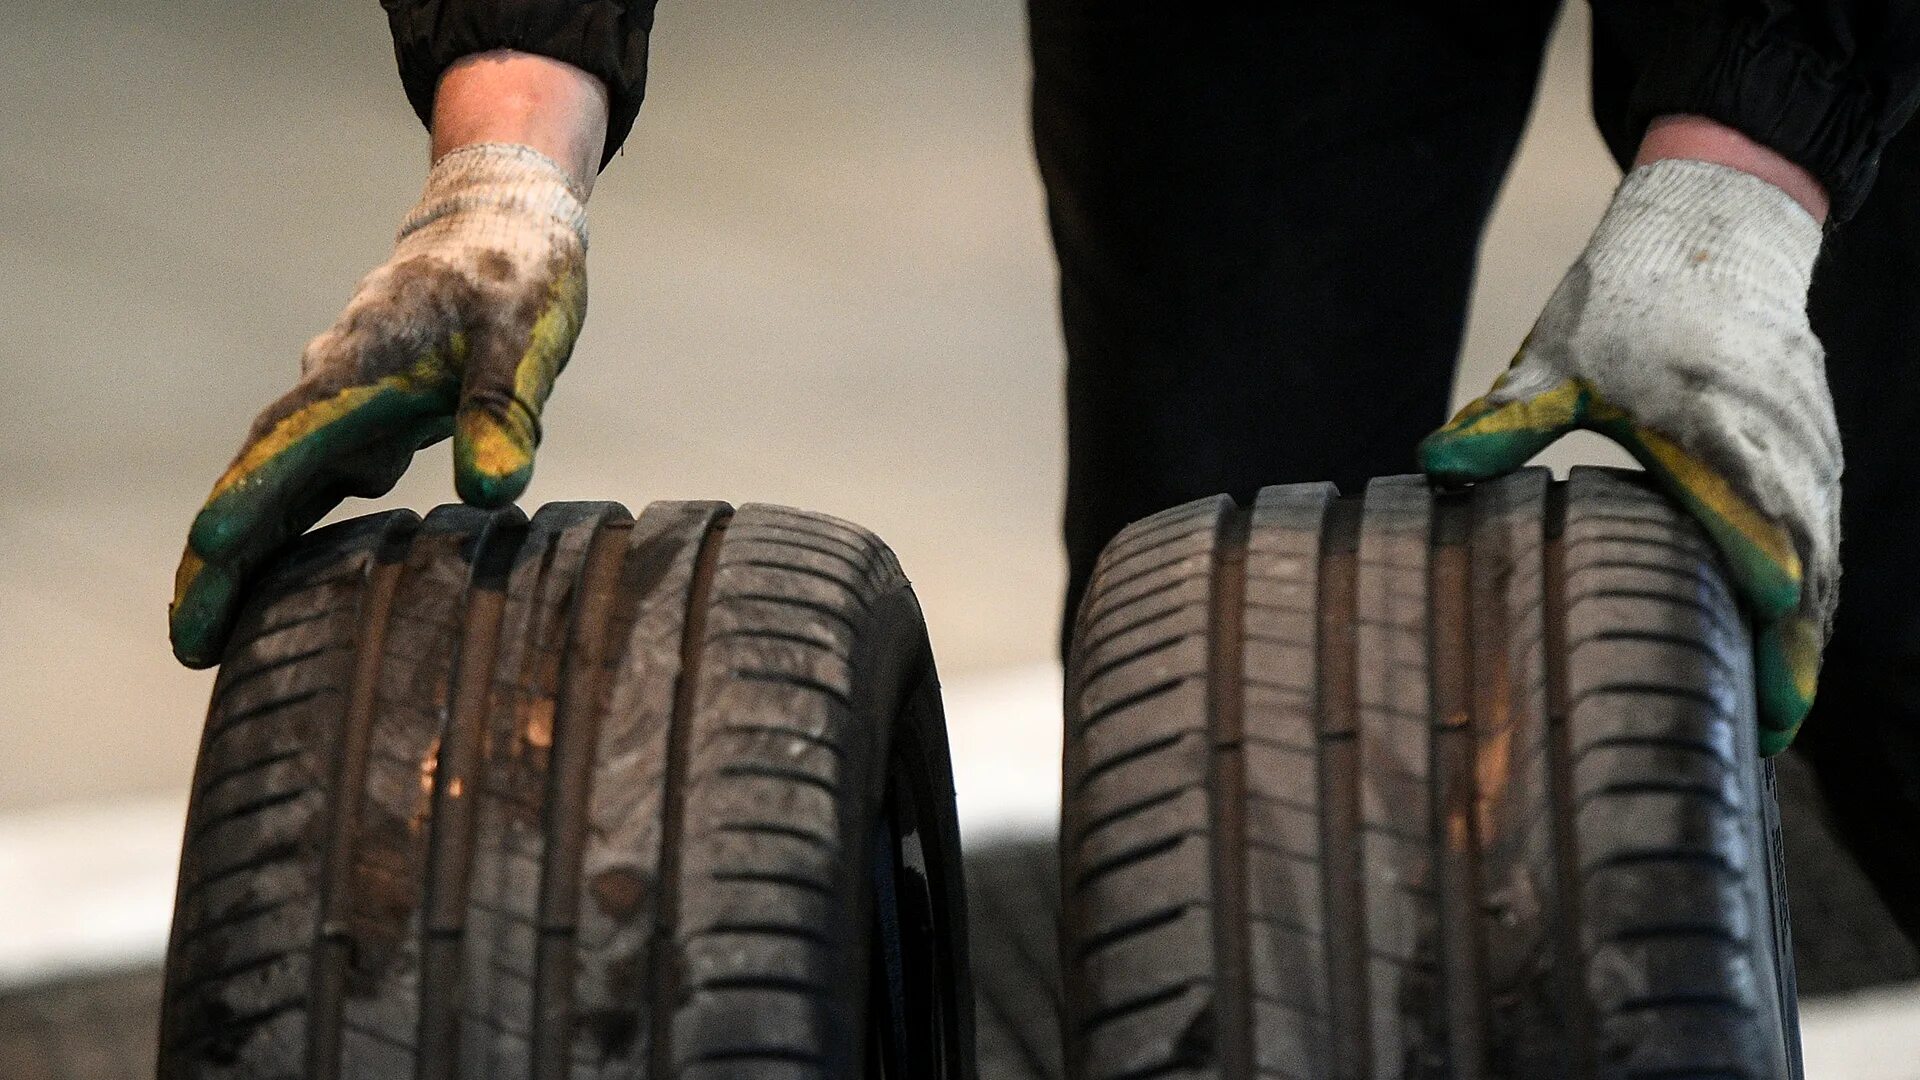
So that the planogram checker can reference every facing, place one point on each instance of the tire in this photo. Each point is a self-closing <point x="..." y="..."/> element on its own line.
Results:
<point x="581" y="796"/>
<point x="1417" y="784"/>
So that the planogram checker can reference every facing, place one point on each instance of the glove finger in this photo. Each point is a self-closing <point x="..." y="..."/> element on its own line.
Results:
<point x="356" y="441"/>
<point x="1760" y="554"/>
<point x="315" y="439"/>
<point x="1488" y="439"/>
<point x="1787" y="668"/>
<point x="508" y="379"/>
<point x="205" y="597"/>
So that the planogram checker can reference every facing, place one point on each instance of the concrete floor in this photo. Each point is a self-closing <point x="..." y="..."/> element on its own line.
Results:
<point x="820" y="277"/>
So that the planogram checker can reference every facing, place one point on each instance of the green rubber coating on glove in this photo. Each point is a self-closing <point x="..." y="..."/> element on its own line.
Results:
<point x="198" y="618"/>
<point x="244" y="502"/>
<point x="1786" y="663"/>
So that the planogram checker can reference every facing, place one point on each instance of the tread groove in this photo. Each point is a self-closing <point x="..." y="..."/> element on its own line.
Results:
<point x="1120" y="1010"/>
<point x="1113" y="663"/>
<point x="775" y="828"/>
<point x="1227" y="792"/>
<point x="232" y="721"/>
<point x="245" y="809"/>
<point x="827" y="610"/>
<point x="662" y="976"/>
<point x="1144" y="924"/>
<point x="576" y="730"/>
<point x="1120" y="813"/>
<point x="452" y="821"/>
<point x="220" y="777"/>
<point x="775" y="877"/>
<point x="1120" y="860"/>
<point x="814" y="572"/>
<point x="760" y="633"/>
<point x="332" y="948"/>
<point x="763" y="771"/>
<point x="768" y="929"/>
<point x="1462" y="1011"/>
<point x="791" y="537"/>
<point x="1094" y="643"/>
<point x="1100" y="768"/>
<point x="1569" y="984"/>
<point x="1336" y="720"/>
<point x="1133" y="601"/>
<point x="790" y="678"/>
<point x="810" y="738"/>
<point x="1121" y="704"/>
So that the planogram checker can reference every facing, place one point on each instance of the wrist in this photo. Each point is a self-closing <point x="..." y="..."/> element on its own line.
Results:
<point x="524" y="99"/>
<point x="1696" y="138"/>
<point x="1679" y="225"/>
<point x="496" y="189"/>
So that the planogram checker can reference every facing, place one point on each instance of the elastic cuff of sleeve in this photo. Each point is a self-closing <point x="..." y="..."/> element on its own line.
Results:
<point x="1778" y="90"/>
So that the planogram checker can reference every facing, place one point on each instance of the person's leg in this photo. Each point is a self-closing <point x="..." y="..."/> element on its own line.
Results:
<point x="1266" y="230"/>
<point x="1863" y="736"/>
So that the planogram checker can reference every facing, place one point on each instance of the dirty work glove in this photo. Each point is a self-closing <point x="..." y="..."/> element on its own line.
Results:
<point x="460" y="332"/>
<point x="1681" y="333"/>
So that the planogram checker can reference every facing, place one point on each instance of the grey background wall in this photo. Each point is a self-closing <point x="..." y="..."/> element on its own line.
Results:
<point x="820" y="276"/>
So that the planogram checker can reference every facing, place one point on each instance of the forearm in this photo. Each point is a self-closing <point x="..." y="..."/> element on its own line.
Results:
<point x="1696" y="138"/>
<point x="515" y="97"/>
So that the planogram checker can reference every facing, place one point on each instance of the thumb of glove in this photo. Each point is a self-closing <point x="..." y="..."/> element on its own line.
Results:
<point x="1527" y="410"/>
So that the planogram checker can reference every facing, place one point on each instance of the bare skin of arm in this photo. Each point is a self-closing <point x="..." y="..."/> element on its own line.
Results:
<point x="514" y="97"/>
<point x="1696" y="138"/>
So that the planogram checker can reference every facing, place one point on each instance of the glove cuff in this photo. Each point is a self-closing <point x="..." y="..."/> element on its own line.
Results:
<point x="499" y="180"/>
<point x="1696" y="217"/>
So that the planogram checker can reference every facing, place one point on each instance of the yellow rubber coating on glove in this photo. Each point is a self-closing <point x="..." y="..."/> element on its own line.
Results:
<point x="312" y="419"/>
<point x="184" y="576"/>
<point x="494" y="442"/>
<point x="1759" y="553"/>
<point x="1552" y="413"/>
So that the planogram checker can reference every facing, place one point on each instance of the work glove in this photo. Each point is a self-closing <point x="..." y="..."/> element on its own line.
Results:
<point x="1681" y="333"/>
<point x="460" y="332"/>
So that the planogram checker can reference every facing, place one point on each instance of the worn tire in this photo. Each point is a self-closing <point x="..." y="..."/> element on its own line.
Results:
<point x="1417" y="784"/>
<point x="581" y="796"/>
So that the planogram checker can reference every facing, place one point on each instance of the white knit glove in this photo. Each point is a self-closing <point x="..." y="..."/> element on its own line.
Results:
<point x="1681" y="333"/>
<point x="461" y="331"/>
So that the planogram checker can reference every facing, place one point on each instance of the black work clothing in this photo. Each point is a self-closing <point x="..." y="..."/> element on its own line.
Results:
<point x="1824" y="82"/>
<point x="1267" y="234"/>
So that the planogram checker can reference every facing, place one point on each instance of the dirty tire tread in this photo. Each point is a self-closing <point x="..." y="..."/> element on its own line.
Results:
<point x="1417" y="784"/>
<point x="580" y="796"/>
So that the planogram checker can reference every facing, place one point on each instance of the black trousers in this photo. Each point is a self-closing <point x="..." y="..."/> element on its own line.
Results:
<point x="1267" y="230"/>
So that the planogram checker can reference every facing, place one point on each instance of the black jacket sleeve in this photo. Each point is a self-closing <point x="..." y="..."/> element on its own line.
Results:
<point x="1826" y="83"/>
<point x="606" y="38"/>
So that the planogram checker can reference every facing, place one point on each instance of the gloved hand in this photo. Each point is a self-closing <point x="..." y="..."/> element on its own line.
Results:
<point x="1681" y="333"/>
<point x="460" y="332"/>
